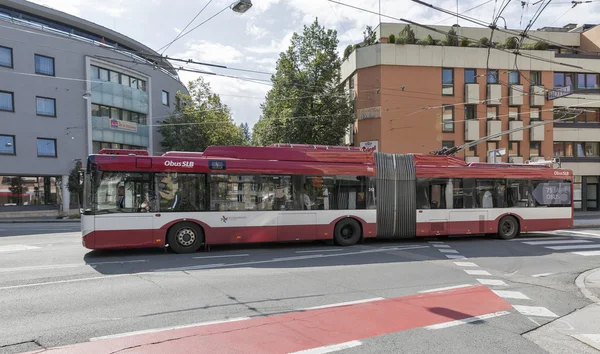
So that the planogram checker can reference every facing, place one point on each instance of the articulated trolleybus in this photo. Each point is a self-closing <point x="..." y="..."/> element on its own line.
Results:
<point x="233" y="194"/>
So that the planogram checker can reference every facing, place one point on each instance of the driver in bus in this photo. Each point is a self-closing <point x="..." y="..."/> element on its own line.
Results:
<point x="121" y="198"/>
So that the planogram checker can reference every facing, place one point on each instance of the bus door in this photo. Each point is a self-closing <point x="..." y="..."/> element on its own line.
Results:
<point x="294" y="223"/>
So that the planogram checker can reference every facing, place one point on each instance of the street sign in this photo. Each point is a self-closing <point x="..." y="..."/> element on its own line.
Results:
<point x="552" y="193"/>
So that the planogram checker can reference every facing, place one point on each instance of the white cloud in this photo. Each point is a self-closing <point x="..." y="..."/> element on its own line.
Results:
<point x="215" y="53"/>
<point x="255" y="31"/>
<point x="275" y="47"/>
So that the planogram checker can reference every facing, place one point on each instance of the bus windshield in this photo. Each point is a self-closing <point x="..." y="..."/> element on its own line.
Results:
<point x="118" y="192"/>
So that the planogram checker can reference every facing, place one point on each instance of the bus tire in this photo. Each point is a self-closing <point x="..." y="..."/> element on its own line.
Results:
<point x="185" y="237"/>
<point x="508" y="228"/>
<point x="347" y="232"/>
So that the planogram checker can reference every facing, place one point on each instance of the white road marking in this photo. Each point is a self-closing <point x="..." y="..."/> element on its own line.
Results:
<point x="330" y="348"/>
<point x="435" y="242"/>
<point x="587" y="253"/>
<point x="223" y="256"/>
<point x="65" y="266"/>
<point x="128" y="334"/>
<point x="13" y="248"/>
<point x="593" y="340"/>
<point x="325" y="250"/>
<point x="467" y="320"/>
<point x="534" y="243"/>
<point x="541" y="275"/>
<point x="446" y="288"/>
<point x="275" y="260"/>
<point x="539" y="238"/>
<point x="448" y="251"/>
<point x="65" y="281"/>
<point x="534" y="321"/>
<point x="572" y="247"/>
<point x="491" y="282"/>
<point x="441" y="246"/>
<point x="466" y="264"/>
<point x="587" y="234"/>
<point x="511" y="294"/>
<point x="343" y="304"/>
<point x="536" y="311"/>
<point x="476" y="272"/>
<point x="453" y="256"/>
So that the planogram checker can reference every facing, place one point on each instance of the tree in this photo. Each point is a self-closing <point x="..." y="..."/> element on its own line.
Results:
<point x="246" y="133"/>
<point x="199" y="120"/>
<point x="452" y="38"/>
<point x="408" y="34"/>
<point x="307" y="104"/>
<point x="369" y="36"/>
<point x="75" y="184"/>
<point x="349" y="49"/>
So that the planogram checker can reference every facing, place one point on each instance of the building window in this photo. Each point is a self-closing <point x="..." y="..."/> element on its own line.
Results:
<point x="46" y="147"/>
<point x="448" y="82"/>
<point x="6" y="57"/>
<point x="44" y="65"/>
<point x="514" y="148"/>
<point x="45" y="106"/>
<point x="471" y="151"/>
<point x="591" y="81"/>
<point x="559" y="149"/>
<point x="447" y="144"/>
<point x="535" y="149"/>
<point x="470" y="112"/>
<point x="470" y="76"/>
<point x="7" y="145"/>
<point x="591" y="149"/>
<point x="7" y="101"/>
<point x="165" y="98"/>
<point x="492" y="145"/>
<point x="536" y="78"/>
<point x="534" y="114"/>
<point x="492" y="113"/>
<point x="448" y="119"/>
<point x="514" y="78"/>
<point x="513" y="113"/>
<point x="492" y="76"/>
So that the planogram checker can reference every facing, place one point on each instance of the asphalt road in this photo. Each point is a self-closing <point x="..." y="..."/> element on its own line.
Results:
<point x="54" y="292"/>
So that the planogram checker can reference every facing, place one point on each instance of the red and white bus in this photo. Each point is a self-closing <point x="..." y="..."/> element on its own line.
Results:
<point x="233" y="194"/>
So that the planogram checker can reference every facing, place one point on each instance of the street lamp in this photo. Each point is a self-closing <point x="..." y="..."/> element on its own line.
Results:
<point x="241" y="6"/>
<point x="86" y="95"/>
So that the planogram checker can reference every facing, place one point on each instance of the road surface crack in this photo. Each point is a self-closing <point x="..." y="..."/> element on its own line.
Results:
<point x="34" y="341"/>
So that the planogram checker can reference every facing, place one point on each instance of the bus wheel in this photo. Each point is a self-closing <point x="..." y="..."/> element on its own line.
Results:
<point x="347" y="232"/>
<point x="508" y="228"/>
<point x="185" y="237"/>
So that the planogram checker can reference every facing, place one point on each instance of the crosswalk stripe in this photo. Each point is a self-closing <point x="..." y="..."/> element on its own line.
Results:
<point x="587" y="253"/>
<point x="572" y="247"/>
<point x="535" y="243"/>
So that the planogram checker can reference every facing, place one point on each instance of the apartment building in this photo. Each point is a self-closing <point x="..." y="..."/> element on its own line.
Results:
<point x="415" y="98"/>
<point x="68" y="88"/>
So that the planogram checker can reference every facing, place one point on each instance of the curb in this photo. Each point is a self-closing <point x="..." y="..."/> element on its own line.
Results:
<point x="580" y="282"/>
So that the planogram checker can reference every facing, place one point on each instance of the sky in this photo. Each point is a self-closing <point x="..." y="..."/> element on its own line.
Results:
<point x="254" y="40"/>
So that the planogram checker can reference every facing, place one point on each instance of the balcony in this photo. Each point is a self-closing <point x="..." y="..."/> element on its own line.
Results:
<point x="516" y="136"/>
<point x="537" y="133"/>
<point x="537" y="96"/>
<point x="471" y="129"/>
<point x="119" y="131"/>
<point x="494" y="94"/>
<point x="471" y="93"/>
<point x="515" y="95"/>
<point x="494" y="127"/>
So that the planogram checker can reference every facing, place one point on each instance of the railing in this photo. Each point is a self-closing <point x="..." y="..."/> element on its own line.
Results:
<point x="41" y="27"/>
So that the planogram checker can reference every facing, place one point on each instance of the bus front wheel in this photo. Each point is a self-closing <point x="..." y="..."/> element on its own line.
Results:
<point x="347" y="232"/>
<point x="185" y="237"/>
<point x="508" y="228"/>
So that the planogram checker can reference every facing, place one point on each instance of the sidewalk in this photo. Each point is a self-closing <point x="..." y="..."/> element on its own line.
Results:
<point x="578" y="332"/>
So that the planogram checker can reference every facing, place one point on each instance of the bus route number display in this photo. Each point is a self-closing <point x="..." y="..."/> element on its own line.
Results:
<point x="553" y="193"/>
<point x="217" y="165"/>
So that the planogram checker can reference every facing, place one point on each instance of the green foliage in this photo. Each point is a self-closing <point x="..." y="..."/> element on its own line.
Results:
<point x="356" y="46"/>
<point x="369" y="36"/>
<point x="540" y="45"/>
<point x="306" y="105"/>
<point x="75" y="184"/>
<point x="452" y="38"/>
<point x="511" y="43"/>
<point x="349" y="49"/>
<point x="483" y="42"/>
<point x="422" y="42"/>
<point x="247" y="137"/>
<point x="528" y="46"/>
<point x="429" y="40"/>
<point x="199" y="120"/>
<point x="465" y="42"/>
<point x="392" y="38"/>
<point x="408" y="34"/>
<point x="400" y="40"/>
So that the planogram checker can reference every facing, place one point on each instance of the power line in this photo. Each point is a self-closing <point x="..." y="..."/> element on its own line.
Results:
<point x="472" y="8"/>
<point x="186" y="26"/>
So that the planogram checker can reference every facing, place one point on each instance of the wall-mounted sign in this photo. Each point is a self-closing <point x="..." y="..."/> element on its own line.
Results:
<point x="559" y="92"/>
<point x="367" y="113"/>
<point x="123" y="125"/>
<point x="371" y="146"/>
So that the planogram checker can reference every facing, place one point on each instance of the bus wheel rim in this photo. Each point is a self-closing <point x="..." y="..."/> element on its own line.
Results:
<point x="507" y="228"/>
<point x="347" y="232"/>
<point x="186" y="237"/>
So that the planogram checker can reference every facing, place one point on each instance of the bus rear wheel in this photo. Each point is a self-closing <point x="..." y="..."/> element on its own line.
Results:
<point x="347" y="232"/>
<point x="508" y="228"/>
<point x="185" y="237"/>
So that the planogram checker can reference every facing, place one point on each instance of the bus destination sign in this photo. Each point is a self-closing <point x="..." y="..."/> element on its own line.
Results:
<point x="553" y="193"/>
<point x="217" y="165"/>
